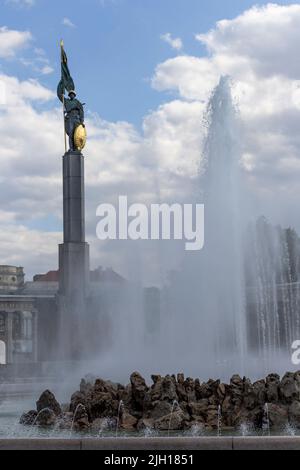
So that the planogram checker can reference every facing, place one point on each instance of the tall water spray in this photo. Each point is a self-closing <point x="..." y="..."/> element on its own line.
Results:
<point x="223" y="286"/>
<point x="230" y="308"/>
<point x="273" y="291"/>
<point x="207" y="299"/>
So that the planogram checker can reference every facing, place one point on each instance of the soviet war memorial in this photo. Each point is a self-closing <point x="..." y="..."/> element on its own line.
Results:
<point x="150" y="231"/>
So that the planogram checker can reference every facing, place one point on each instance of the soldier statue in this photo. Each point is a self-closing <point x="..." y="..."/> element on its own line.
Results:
<point x="74" y="114"/>
<point x="73" y="108"/>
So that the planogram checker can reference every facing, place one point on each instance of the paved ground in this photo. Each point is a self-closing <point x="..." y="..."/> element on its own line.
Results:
<point x="155" y="444"/>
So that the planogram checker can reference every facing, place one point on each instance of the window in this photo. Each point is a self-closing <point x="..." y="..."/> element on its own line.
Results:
<point x="2" y="353"/>
<point x="17" y="326"/>
<point x="2" y="324"/>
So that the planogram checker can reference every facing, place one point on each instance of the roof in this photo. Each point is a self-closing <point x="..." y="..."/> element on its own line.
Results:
<point x="51" y="276"/>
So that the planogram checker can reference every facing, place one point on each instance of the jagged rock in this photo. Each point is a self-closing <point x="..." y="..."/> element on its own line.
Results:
<point x="221" y="392"/>
<point x="156" y="389"/>
<point x="212" y="416"/>
<point x="48" y="400"/>
<point x="272" y="388"/>
<point x="78" y="399"/>
<point x="145" y="424"/>
<point x="180" y="379"/>
<point x="168" y="391"/>
<point x="198" y="409"/>
<point x="207" y="390"/>
<point x="278" y="416"/>
<point x="250" y="396"/>
<point x="172" y="422"/>
<point x="139" y="390"/>
<point x="189" y="386"/>
<point x="105" y="387"/>
<point x="128" y="422"/>
<point x="245" y="416"/>
<point x="294" y="414"/>
<point x="28" y="419"/>
<point x="159" y="409"/>
<point x="81" y="419"/>
<point x="46" y="418"/>
<point x="259" y="390"/>
<point x="125" y="395"/>
<point x="198" y="389"/>
<point x="227" y="411"/>
<point x="181" y="392"/>
<point x="289" y="388"/>
<point x="102" y="405"/>
<point x="237" y="390"/>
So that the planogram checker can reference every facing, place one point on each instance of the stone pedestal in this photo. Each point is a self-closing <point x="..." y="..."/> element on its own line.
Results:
<point x="73" y="259"/>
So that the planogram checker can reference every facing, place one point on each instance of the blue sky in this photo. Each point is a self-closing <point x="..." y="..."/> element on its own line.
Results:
<point x="115" y="44"/>
<point x="129" y="76"/>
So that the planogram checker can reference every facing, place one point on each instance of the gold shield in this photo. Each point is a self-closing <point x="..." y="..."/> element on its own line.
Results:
<point x="80" y="137"/>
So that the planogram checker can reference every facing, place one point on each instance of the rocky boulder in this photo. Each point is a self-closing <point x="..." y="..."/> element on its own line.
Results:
<point x="278" y="416"/>
<point x="198" y="409"/>
<point x="168" y="389"/>
<point x="28" y="419"/>
<point x="159" y="409"/>
<point x="272" y="388"/>
<point x="294" y="414"/>
<point x="102" y="405"/>
<point x="173" y="422"/>
<point x="289" y="388"/>
<point x="237" y="390"/>
<point x="139" y="390"/>
<point x="81" y="419"/>
<point x="128" y="422"/>
<point x="46" y="418"/>
<point x="78" y="399"/>
<point x="48" y="400"/>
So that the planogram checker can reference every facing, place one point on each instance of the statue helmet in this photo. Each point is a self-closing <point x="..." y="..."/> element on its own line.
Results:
<point x="72" y="92"/>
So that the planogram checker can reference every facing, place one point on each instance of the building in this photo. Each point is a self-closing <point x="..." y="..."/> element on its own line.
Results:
<point x="29" y="314"/>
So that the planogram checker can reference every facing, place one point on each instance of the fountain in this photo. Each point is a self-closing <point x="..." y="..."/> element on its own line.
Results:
<point x="219" y="424"/>
<point x="205" y="301"/>
<point x="266" y="427"/>
<point x="246" y="429"/>
<point x="175" y="404"/>
<point x="204" y="306"/>
<point x="120" y="409"/>
<point x="290" y="430"/>
<point x="79" y="407"/>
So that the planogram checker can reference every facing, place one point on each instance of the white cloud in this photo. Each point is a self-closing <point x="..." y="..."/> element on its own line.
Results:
<point x="259" y="50"/>
<point x="161" y="163"/>
<point x="175" y="43"/>
<point x="119" y="161"/>
<point x="47" y="70"/>
<point x="12" y="41"/>
<point x="67" y="22"/>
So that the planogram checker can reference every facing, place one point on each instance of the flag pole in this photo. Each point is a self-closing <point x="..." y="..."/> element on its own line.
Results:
<point x="63" y="99"/>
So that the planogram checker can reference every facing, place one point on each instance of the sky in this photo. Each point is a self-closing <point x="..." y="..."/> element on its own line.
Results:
<point x="114" y="44"/>
<point x="145" y="70"/>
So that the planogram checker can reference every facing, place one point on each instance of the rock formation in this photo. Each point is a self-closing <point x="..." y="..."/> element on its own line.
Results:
<point x="173" y="404"/>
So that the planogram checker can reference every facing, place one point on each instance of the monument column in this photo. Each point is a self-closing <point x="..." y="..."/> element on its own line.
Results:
<point x="74" y="252"/>
<point x="74" y="267"/>
<point x="73" y="257"/>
